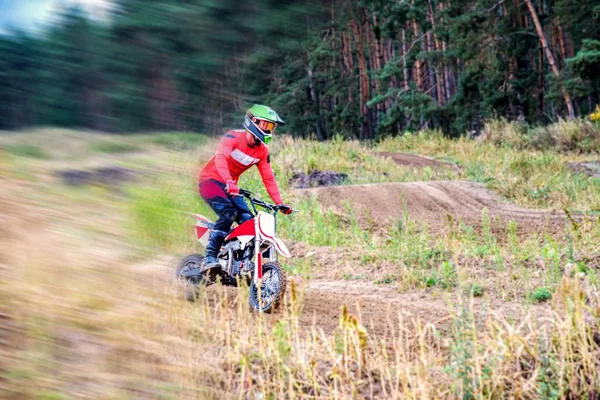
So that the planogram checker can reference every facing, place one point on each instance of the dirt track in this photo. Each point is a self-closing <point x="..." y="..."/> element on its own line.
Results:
<point x="433" y="203"/>
<point x="381" y="308"/>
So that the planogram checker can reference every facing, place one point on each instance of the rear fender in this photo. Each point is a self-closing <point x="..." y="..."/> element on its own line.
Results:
<point x="203" y="228"/>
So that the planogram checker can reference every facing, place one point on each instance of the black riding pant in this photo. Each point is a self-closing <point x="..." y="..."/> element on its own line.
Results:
<point x="230" y="209"/>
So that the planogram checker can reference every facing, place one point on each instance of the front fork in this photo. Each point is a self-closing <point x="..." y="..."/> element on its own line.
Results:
<point x="258" y="264"/>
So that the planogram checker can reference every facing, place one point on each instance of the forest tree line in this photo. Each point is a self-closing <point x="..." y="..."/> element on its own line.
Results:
<point x="356" y="68"/>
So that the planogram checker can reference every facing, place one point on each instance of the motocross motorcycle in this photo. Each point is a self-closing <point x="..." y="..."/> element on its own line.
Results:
<point x="249" y="253"/>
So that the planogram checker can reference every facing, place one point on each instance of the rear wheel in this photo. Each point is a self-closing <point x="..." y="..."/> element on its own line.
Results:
<point x="189" y="276"/>
<point x="272" y="289"/>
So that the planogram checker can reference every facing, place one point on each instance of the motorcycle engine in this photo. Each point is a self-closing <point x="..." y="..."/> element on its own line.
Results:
<point x="242" y="262"/>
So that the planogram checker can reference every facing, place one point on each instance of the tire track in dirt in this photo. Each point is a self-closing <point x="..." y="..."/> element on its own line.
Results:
<point x="381" y="308"/>
<point x="435" y="203"/>
<point x="378" y="305"/>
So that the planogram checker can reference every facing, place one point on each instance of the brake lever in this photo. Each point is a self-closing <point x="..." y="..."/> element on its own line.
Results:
<point x="245" y="193"/>
<point x="279" y="208"/>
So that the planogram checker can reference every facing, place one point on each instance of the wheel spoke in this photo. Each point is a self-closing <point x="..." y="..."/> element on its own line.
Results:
<point x="270" y="289"/>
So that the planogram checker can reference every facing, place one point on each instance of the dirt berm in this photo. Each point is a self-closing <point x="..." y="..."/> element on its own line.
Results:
<point x="435" y="203"/>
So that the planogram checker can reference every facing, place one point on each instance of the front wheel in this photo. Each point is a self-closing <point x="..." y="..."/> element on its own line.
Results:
<point x="272" y="289"/>
<point x="189" y="276"/>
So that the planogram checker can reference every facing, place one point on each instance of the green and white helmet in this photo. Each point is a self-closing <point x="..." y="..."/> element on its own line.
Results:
<point x="261" y="121"/>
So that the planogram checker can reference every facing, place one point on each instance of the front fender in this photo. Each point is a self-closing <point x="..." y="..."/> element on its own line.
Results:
<point x="266" y="230"/>
<point x="279" y="246"/>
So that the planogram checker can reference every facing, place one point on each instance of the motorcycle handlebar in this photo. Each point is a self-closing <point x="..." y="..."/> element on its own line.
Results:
<point x="250" y="196"/>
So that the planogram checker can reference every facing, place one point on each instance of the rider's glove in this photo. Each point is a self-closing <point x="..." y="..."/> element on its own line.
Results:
<point x="232" y="188"/>
<point x="285" y="209"/>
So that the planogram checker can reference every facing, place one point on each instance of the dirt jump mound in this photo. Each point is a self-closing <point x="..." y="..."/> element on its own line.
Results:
<point x="413" y="160"/>
<point x="434" y="203"/>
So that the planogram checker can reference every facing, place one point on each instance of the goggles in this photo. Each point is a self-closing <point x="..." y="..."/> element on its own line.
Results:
<point x="267" y="127"/>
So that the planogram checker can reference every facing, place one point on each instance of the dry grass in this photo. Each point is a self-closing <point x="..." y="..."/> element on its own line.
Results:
<point x="563" y="136"/>
<point x="530" y="177"/>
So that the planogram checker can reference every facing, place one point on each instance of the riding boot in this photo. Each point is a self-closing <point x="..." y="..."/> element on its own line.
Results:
<point x="215" y="241"/>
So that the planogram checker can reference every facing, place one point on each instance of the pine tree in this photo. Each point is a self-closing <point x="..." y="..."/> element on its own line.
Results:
<point x="356" y="68"/>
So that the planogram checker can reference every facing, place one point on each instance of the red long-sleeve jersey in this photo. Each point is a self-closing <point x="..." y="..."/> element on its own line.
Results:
<point x="234" y="156"/>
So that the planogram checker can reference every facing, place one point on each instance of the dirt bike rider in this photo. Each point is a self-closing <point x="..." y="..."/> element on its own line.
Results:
<point x="239" y="150"/>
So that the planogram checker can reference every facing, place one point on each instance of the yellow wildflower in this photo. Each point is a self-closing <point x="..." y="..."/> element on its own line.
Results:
<point x="595" y="116"/>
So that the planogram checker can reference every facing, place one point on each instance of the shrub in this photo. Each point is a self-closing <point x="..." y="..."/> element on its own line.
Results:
<point x="160" y="216"/>
<point x="474" y="289"/>
<point x="448" y="275"/>
<point x="541" y="295"/>
<point x="504" y="133"/>
<point x="582" y="137"/>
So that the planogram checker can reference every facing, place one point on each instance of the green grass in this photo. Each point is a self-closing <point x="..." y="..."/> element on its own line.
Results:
<point x="420" y="259"/>
<point x="178" y="141"/>
<point x="513" y="265"/>
<point x="320" y="227"/>
<point x="161" y="219"/>
<point x="27" y="150"/>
